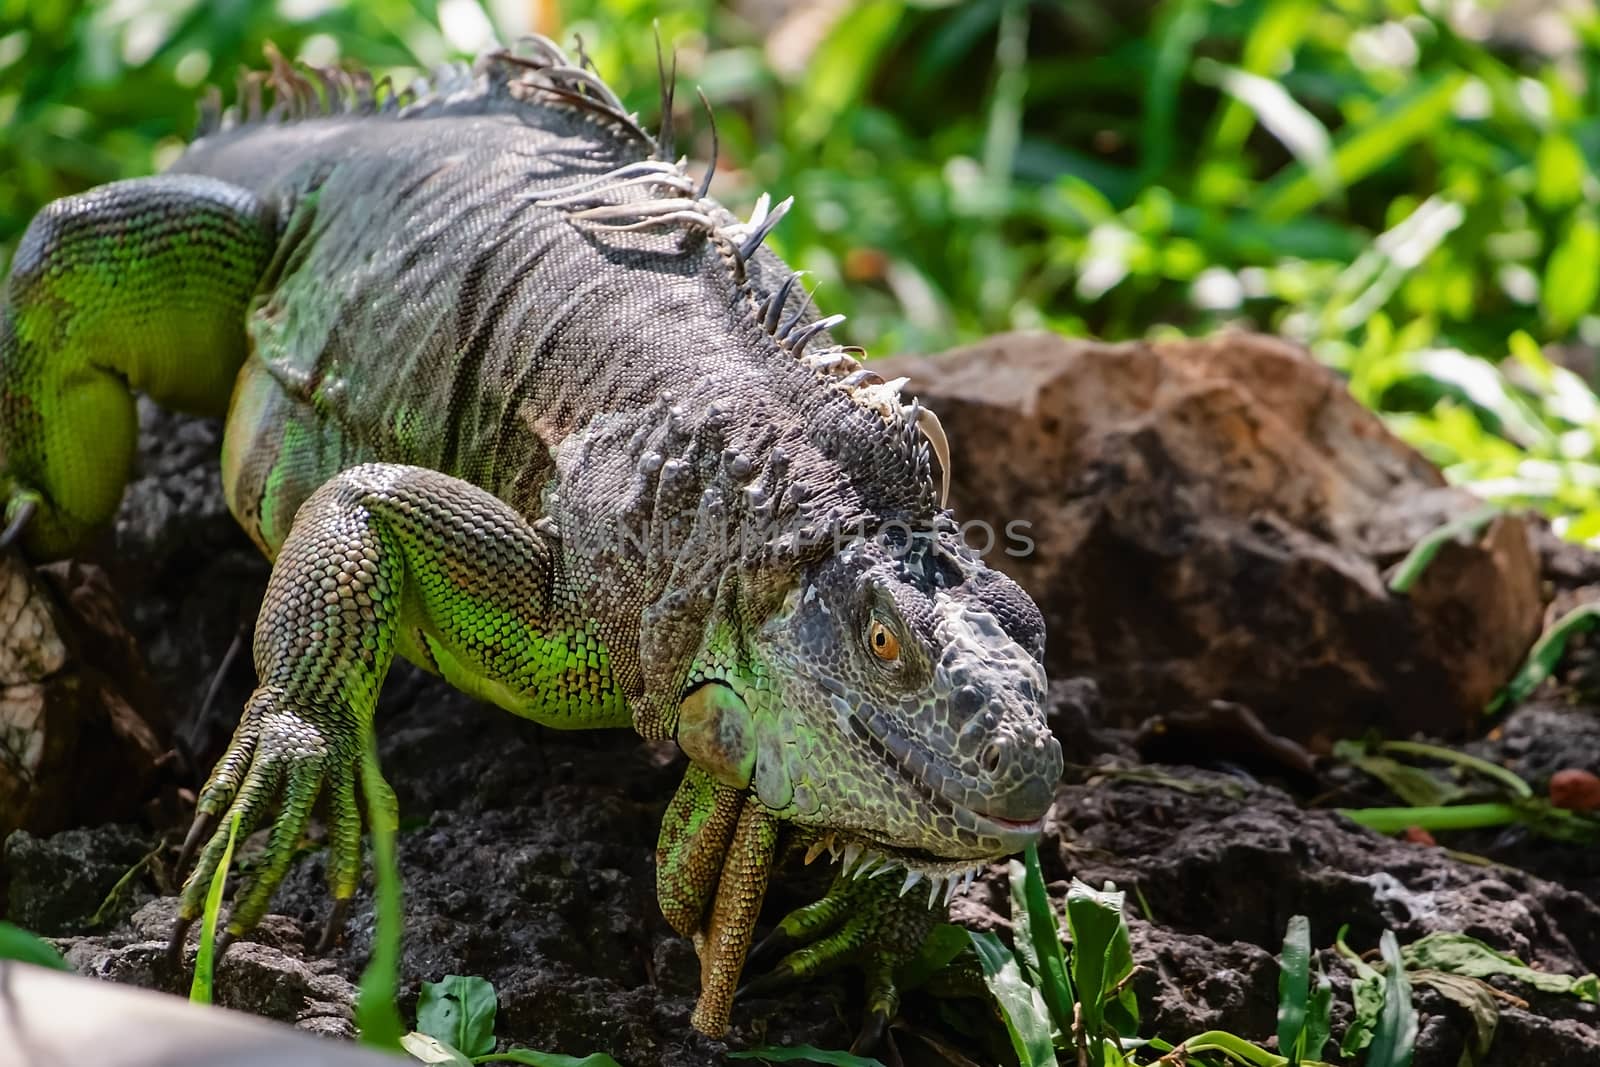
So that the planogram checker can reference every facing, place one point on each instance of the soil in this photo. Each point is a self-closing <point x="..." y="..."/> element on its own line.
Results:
<point x="527" y="854"/>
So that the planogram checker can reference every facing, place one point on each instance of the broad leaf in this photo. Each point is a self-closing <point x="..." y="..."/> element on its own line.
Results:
<point x="459" y="1011"/>
<point x="1395" y="1037"/>
<point x="425" y="1048"/>
<point x="25" y="947"/>
<point x="1022" y="1008"/>
<point x="1477" y="998"/>
<point x="1469" y="957"/>
<point x="1294" y="986"/>
<point x="1101" y="959"/>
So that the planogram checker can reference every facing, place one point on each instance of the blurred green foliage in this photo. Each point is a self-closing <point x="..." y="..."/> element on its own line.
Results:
<point x="1407" y="186"/>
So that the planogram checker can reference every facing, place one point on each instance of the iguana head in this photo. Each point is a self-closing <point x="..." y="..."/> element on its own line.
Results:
<point x="892" y="704"/>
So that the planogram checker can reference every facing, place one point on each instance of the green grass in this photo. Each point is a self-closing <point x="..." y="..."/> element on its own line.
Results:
<point x="1475" y="795"/>
<point x="1417" y="205"/>
<point x="201" y="985"/>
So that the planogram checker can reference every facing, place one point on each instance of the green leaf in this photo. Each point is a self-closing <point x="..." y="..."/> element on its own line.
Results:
<point x="1424" y="551"/>
<point x="1467" y="956"/>
<point x="1477" y="998"/>
<point x="837" y="72"/>
<point x="1417" y="786"/>
<point x="1395" y="1037"/>
<point x="805" y="1054"/>
<point x="1280" y="114"/>
<point x="1275" y="35"/>
<point x="1366" y="146"/>
<point x="1366" y="994"/>
<point x="205" y="957"/>
<point x="1546" y="653"/>
<point x="26" y="947"/>
<point x="1319" y="1018"/>
<point x="377" y="1018"/>
<point x="1158" y="133"/>
<point x="1455" y="817"/>
<point x="1039" y="937"/>
<point x="1558" y="172"/>
<point x="425" y="1048"/>
<point x="1507" y="779"/>
<point x="1294" y="986"/>
<point x="1022" y="1008"/>
<point x="1572" y="273"/>
<point x="459" y="1010"/>
<point x="1233" y="1046"/>
<point x="1101" y="959"/>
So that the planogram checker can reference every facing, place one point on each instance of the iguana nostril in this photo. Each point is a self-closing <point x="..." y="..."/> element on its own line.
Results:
<point x="991" y="756"/>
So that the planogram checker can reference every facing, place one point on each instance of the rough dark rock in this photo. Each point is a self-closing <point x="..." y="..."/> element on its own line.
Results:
<point x="1216" y="520"/>
<point x="57" y="883"/>
<point x="1222" y="862"/>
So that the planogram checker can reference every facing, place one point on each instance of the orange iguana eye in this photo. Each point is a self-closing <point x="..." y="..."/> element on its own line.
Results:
<point x="884" y="644"/>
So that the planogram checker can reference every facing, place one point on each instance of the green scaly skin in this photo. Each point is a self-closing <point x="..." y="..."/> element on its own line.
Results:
<point x="557" y="437"/>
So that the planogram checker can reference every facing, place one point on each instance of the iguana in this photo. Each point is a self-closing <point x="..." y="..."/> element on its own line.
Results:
<point x="508" y="395"/>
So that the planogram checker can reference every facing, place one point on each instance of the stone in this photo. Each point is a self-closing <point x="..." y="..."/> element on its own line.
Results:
<point x="1217" y="520"/>
<point x="56" y="883"/>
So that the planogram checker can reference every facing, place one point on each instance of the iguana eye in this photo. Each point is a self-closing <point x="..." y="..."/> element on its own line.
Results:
<point x="884" y="644"/>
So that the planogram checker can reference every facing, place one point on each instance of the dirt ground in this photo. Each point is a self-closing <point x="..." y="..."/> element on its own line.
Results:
<point x="527" y="855"/>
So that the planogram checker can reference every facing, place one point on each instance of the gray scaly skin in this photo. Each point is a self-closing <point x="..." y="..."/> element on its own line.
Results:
<point x="507" y="395"/>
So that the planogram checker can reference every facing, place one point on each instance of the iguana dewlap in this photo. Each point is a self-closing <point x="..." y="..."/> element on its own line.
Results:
<point x="509" y="396"/>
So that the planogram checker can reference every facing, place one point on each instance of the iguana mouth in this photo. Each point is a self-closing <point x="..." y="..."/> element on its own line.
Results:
<point x="867" y="857"/>
<point x="908" y="761"/>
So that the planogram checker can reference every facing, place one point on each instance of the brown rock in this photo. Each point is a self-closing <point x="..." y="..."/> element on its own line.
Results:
<point x="1214" y="520"/>
<point x="72" y="747"/>
<point x="1575" y="789"/>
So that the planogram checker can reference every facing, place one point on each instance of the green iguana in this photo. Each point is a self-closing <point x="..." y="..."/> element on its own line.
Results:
<point x="508" y="395"/>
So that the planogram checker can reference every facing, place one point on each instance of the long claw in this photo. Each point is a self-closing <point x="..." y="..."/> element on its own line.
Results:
<point x="873" y="1028"/>
<point x="773" y="980"/>
<point x="335" y="927"/>
<point x="771" y="948"/>
<point x="180" y="931"/>
<point x="205" y="822"/>
<point x="19" y="522"/>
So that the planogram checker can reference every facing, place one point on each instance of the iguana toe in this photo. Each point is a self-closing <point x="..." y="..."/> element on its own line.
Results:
<point x="204" y="825"/>
<point x="18" y="515"/>
<point x="770" y="949"/>
<point x="335" y="927"/>
<point x="770" y="982"/>
<point x="180" y="931"/>
<point x="873" y="1029"/>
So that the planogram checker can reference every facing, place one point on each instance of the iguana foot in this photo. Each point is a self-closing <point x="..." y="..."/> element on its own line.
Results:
<point x="866" y="921"/>
<point x="279" y="759"/>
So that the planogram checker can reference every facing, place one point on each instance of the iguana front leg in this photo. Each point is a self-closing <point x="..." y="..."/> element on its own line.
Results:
<point x="713" y="859"/>
<point x="379" y="554"/>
